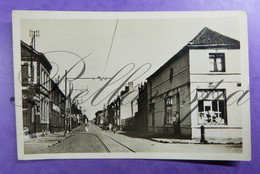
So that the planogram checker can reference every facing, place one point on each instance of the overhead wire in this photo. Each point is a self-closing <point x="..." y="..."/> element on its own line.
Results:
<point x="111" y="45"/>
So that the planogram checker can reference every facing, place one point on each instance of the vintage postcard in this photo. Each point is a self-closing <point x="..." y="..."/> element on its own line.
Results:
<point x="138" y="85"/>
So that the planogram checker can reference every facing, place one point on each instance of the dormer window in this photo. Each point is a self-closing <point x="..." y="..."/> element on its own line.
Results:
<point x="217" y="62"/>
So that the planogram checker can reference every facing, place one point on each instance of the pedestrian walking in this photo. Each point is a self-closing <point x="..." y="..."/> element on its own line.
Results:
<point x="114" y="128"/>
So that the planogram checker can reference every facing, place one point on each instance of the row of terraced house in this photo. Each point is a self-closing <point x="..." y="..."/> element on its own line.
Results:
<point x="190" y="90"/>
<point x="43" y="103"/>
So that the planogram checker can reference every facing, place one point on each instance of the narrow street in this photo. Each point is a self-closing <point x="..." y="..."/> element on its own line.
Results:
<point x="95" y="140"/>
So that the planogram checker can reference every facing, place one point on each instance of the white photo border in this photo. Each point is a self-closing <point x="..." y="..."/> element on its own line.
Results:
<point x="19" y="15"/>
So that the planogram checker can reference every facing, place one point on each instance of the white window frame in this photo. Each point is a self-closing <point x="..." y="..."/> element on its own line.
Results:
<point x="213" y="61"/>
<point x="211" y="117"/>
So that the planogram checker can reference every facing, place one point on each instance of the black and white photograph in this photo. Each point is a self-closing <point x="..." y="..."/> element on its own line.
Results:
<point x="149" y="85"/>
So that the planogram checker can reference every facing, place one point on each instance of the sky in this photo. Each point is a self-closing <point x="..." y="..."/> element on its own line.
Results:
<point x="145" y="43"/>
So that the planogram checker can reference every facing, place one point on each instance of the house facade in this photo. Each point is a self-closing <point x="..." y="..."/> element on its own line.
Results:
<point x="141" y="115"/>
<point x="192" y="89"/>
<point x="128" y="106"/>
<point x="116" y="109"/>
<point x="99" y="117"/>
<point x="75" y="115"/>
<point x="35" y="79"/>
<point x="57" y="114"/>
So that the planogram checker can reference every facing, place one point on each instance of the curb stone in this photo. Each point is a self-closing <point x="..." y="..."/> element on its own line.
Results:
<point x="194" y="142"/>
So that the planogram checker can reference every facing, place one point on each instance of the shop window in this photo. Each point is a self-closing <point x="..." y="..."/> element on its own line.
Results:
<point x="212" y="107"/>
<point x="217" y="62"/>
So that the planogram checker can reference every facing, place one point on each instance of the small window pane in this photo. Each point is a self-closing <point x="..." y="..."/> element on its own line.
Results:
<point x="211" y="66"/>
<point x="207" y="108"/>
<point x="214" y="105"/>
<point x="222" y="109"/>
<point x="201" y="106"/>
<point x="219" y="65"/>
<point x="217" y="62"/>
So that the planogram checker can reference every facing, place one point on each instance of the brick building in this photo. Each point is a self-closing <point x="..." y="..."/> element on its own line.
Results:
<point x="141" y="116"/>
<point x="57" y="114"/>
<point x="128" y="106"/>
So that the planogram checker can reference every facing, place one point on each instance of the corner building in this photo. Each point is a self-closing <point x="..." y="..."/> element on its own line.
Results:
<point x="191" y="90"/>
<point x="35" y="80"/>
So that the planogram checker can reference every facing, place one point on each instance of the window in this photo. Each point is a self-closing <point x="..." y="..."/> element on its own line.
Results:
<point x="47" y="113"/>
<point x="170" y="110"/>
<point x="42" y="75"/>
<point x="169" y="115"/>
<point x="217" y="62"/>
<point x="211" y="107"/>
<point x="42" y="111"/>
<point x="32" y="114"/>
<point x="169" y="101"/>
<point x="31" y="72"/>
<point x="45" y="79"/>
<point x="25" y="74"/>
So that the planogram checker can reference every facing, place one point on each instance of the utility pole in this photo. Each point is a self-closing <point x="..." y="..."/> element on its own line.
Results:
<point x="33" y="34"/>
<point x="70" y="123"/>
<point x="68" y="102"/>
<point x="65" y="117"/>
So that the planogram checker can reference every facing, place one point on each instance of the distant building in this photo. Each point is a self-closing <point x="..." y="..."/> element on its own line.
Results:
<point x="184" y="91"/>
<point x="99" y="117"/>
<point x="141" y="116"/>
<point x="76" y="115"/>
<point x="110" y="114"/>
<point x="35" y="79"/>
<point x="113" y="110"/>
<point x="116" y="108"/>
<point x="57" y="114"/>
<point x="128" y="106"/>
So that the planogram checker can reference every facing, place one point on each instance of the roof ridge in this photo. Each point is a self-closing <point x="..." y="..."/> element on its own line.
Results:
<point x="208" y="37"/>
<point x="199" y="34"/>
<point x="212" y="40"/>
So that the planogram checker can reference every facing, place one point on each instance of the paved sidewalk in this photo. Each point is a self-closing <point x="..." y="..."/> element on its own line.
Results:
<point x="41" y="143"/>
<point x="179" y="140"/>
<point x="197" y="141"/>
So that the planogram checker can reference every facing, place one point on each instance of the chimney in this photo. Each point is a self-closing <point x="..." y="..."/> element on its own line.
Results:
<point x="56" y="80"/>
<point x="131" y="86"/>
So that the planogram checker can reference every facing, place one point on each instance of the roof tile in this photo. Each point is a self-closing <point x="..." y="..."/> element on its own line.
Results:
<point x="208" y="37"/>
